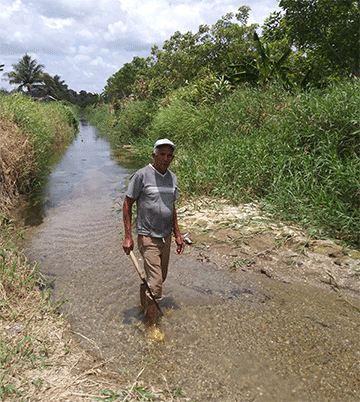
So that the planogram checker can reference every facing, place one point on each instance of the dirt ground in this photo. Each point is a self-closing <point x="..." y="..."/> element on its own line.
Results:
<point x="244" y="238"/>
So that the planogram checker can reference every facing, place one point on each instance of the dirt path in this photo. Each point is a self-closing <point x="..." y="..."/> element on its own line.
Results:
<point x="240" y="324"/>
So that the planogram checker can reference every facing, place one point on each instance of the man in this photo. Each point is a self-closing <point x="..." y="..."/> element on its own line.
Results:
<point x="154" y="188"/>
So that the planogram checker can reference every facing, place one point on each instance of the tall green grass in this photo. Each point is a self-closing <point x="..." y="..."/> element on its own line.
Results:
<point x="298" y="155"/>
<point x="45" y="125"/>
<point x="128" y="125"/>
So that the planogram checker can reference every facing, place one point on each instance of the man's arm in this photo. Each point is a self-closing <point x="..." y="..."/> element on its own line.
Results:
<point x="128" y="243"/>
<point x="178" y="239"/>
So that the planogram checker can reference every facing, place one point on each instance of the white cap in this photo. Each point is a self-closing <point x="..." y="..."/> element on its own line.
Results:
<point x="164" y="141"/>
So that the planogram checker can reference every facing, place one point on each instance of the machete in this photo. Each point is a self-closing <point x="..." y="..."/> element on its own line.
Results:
<point x="142" y="277"/>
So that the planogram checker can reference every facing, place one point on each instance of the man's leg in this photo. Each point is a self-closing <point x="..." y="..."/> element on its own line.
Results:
<point x="156" y="254"/>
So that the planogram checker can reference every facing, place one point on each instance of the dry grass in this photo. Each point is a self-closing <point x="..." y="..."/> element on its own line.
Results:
<point x="16" y="160"/>
<point x="40" y="357"/>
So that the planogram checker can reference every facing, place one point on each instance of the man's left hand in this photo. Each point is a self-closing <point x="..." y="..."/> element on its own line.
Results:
<point x="180" y="245"/>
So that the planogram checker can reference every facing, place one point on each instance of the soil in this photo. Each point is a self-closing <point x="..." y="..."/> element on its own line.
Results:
<point x="243" y="238"/>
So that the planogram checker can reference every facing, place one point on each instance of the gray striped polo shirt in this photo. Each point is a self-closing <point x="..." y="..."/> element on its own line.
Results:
<point x="155" y="194"/>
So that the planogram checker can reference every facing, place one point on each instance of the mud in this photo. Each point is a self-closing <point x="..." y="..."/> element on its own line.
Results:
<point x="237" y="329"/>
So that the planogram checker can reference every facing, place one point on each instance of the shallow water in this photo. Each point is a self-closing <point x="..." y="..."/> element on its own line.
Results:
<point x="230" y="336"/>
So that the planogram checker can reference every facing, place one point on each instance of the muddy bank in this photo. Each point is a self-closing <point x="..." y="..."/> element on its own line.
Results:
<point x="231" y="334"/>
<point x="243" y="238"/>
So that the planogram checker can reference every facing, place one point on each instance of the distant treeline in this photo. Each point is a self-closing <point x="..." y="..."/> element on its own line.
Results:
<point x="30" y="79"/>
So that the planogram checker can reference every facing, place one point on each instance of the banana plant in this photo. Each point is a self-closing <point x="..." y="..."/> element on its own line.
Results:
<point x="262" y="68"/>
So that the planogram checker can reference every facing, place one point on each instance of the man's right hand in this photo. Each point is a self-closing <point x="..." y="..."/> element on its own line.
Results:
<point x="128" y="245"/>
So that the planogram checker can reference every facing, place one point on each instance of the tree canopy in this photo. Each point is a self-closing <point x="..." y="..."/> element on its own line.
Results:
<point x="185" y="57"/>
<point x="328" y="31"/>
<point x="309" y="42"/>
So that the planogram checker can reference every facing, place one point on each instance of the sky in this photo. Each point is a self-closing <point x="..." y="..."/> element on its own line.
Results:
<point x="86" y="41"/>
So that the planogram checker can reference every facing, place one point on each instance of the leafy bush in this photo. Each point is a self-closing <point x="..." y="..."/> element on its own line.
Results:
<point x="127" y="123"/>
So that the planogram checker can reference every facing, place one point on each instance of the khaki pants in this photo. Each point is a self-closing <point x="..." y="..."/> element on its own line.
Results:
<point x="156" y="253"/>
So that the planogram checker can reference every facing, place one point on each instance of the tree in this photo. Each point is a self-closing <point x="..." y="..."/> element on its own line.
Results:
<point x="186" y="57"/>
<point x="27" y="73"/>
<point x="327" y="30"/>
<point x="47" y="86"/>
<point x="119" y="84"/>
<point x="60" y="88"/>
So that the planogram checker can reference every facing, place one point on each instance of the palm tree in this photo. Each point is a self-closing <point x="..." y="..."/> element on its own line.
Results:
<point x="61" y="88"/>
<point x="27" y="73"/>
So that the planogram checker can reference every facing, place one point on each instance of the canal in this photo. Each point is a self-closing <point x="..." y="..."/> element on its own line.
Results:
<point x="230" y="336"/>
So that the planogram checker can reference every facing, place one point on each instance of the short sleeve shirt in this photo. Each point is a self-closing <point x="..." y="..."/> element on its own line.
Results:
<point x="155" y="194"/>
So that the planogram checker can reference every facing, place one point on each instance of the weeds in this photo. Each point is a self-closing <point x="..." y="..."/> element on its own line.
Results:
<point x="298" y="154"/>
<point x="29" y="134"/>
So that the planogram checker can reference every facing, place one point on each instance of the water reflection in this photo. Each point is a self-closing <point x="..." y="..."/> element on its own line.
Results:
<point x="88" y="152"/>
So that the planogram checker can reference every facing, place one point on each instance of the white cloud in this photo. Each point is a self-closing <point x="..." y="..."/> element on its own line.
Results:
<point x="90" y="49"/>
<point x="115" y="31"/>
<point x="86" y="41"/>
<point x="80" y="59"/>
<point x="56" y="23"/>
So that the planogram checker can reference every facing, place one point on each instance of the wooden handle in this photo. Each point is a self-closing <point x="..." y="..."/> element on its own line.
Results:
<point x="142" y="277"/>
<point x="136" y="265"/>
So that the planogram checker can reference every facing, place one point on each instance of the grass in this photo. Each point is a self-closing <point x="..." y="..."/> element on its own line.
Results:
<point x="25" y="345"/>
<point x="30" y="133"/>
<point x="298" y="156"/>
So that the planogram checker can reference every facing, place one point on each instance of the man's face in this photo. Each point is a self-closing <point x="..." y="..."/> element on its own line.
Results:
<point x="163" y="157"/>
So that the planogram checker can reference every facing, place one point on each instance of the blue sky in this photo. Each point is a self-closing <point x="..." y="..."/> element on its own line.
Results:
<point x="86" y="41"/>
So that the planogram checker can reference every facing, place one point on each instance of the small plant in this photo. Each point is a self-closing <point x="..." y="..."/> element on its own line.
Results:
<point x="356" y="270"/>
<point x="178" y="393"/>
<point x="334" y="285"/>
<point x="110" y="396"/>
<point x="239" y="263"/>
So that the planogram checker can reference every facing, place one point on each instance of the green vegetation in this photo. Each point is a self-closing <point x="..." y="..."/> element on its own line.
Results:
<point x="272" y="118"/>
<point x="30" y="133"/>
<point x="298" y="155"/>
<point x="309" y="44"/>
<point x="328" y="31"/>
<point x="22" y="346"/>
<point x="27" y="73"/>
